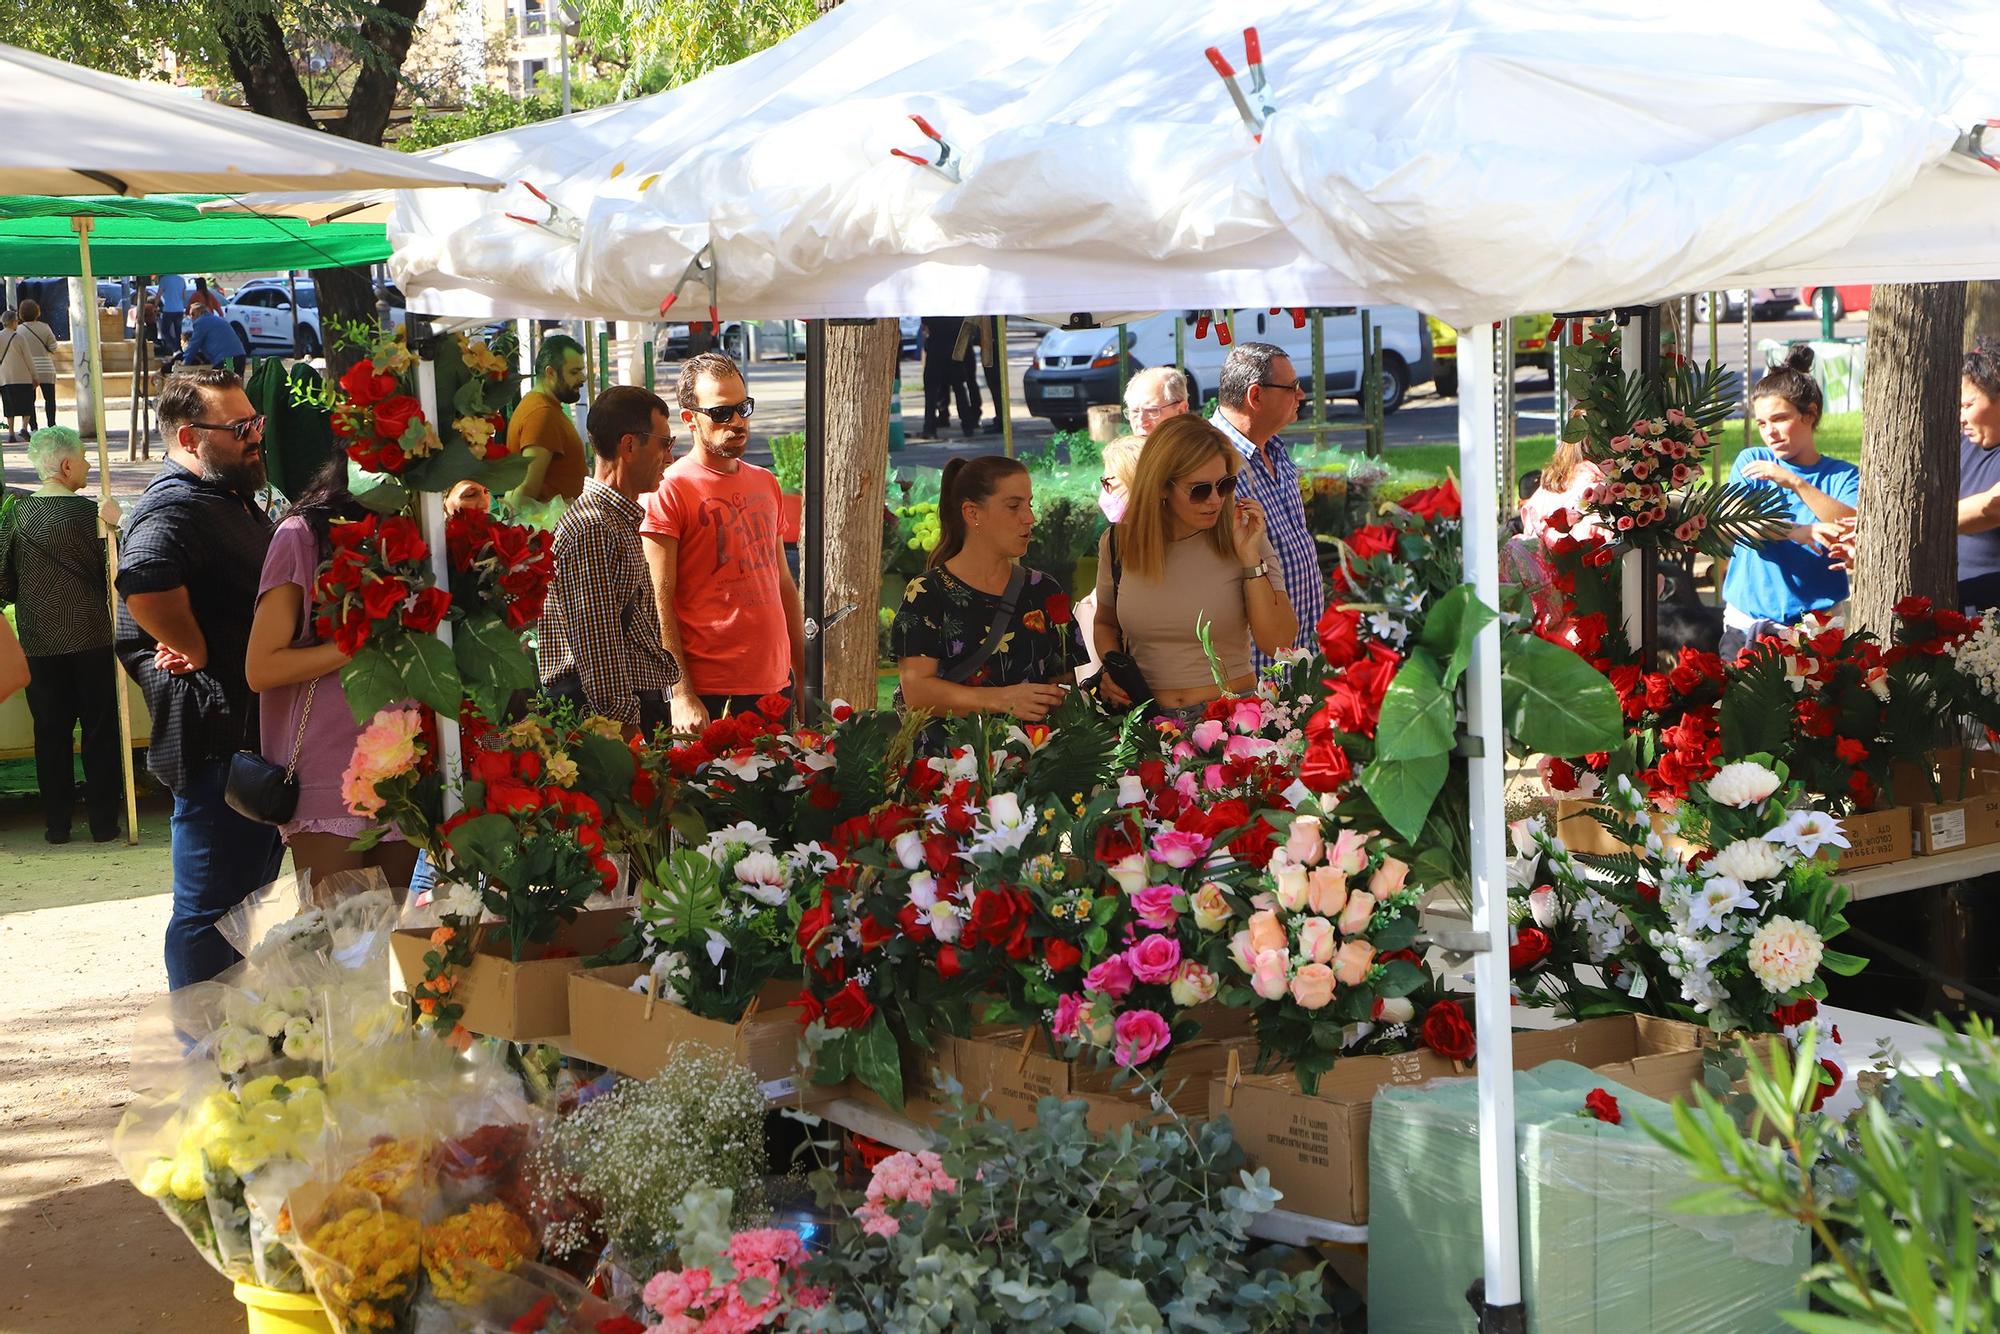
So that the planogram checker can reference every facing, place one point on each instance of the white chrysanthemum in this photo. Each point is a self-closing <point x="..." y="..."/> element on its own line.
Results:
<point x="1744" y="783"/>
<point x="742" y="834"/>
<point x="1808" y="831"/>
<point x="1785" y="954"/>
<point x="1748" y="860"/>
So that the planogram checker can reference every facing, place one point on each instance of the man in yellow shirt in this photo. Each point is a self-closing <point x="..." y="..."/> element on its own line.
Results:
<point x="541" y="427"/>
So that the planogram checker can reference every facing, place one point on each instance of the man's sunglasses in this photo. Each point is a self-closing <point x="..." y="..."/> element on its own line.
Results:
<point x="1293" y="388"/>
<point x="724" y="413"/>
<point x="1199" y="492"/>
<point x="241" y="430"/>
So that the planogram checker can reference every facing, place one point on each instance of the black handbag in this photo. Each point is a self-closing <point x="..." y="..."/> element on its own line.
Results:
<point x="1119" y="666"/>
<point x="262" y="791"/>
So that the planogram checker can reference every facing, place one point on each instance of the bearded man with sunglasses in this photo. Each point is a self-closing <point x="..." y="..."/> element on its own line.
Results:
<point x="1257" y="395"/>
<point x="730" y="612"/>
<point x="190" y="557"/>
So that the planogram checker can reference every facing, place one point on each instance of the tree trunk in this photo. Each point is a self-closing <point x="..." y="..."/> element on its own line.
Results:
<point x="860" y="359"/>
<point x="1982" y="312"/>
<point x="257" y="55"/>
<point x="1907" y="532"/>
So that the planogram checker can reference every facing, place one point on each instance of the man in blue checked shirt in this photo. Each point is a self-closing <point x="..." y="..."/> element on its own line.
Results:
<point x="1258" y="395"/>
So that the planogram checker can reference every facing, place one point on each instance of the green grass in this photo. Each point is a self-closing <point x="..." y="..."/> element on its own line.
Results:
<point x="35" y="875"/>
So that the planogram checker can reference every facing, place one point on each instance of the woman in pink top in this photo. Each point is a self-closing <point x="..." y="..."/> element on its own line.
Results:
<point x="303" y="709"/>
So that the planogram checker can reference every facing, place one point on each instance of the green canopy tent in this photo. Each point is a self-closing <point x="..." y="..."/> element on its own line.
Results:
<point x="83" y="236"/>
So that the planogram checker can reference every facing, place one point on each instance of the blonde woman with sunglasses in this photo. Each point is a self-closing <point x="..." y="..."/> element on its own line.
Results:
<point x="1191" y="552"/>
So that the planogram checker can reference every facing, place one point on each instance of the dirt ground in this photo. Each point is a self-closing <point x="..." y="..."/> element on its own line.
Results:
<point x="80" y="933"/>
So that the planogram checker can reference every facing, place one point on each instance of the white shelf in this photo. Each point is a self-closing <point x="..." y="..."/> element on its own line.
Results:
<point x="1876" y="882"/>
<point x="1280" y="1225"/>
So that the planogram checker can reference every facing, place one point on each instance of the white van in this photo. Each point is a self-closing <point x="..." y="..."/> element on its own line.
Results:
<point x="1075" y="368"/>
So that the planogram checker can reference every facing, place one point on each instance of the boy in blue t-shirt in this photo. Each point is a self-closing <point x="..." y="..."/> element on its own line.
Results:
<point x="1775" y="583"/>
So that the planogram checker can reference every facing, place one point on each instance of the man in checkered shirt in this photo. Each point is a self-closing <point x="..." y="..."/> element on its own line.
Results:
<point x="1259" y="394"/>
<point x="600" y="636"/>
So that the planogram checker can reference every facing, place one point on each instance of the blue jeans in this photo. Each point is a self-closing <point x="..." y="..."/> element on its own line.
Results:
<point x="220" y="859"/>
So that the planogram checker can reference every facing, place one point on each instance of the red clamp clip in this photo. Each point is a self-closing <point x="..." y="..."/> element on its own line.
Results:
<point x="1298" y="314"/>
<point x="1253" y="56"/>
<point x="942" y="164"/>
<point x="1981" y="143"/>
<point x="1220" y="319"/>
<point x="702" y="268"/>
<point x="560" y="221"/>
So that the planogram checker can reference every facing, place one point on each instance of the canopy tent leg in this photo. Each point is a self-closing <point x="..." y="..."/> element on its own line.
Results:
<point x="812" y="533"/>
<point x="1006" y="407"/>
<point x="1477" y="456"/>
<point x="451" y="754"/>
<point x="88" y="315"/>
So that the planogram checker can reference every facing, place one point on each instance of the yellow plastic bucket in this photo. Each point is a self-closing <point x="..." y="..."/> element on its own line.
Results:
<point x="274" y="1312"/>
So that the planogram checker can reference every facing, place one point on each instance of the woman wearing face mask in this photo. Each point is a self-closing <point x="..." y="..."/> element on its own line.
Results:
<point x="978" y="632"/>
<point x="1190" y="555"/>
<point x="1775" y="583"/>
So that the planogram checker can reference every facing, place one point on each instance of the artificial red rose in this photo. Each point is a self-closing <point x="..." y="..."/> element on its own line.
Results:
<point x="923" y="778"/>
<point x="1060" y="955"/>
<point x="644" y="791"/>
<point x="390" y="458"/>
<point x="510" y="542"/>
<point x="1375" y="671"/>
<point x="910" y="921"/>
<point x="351" y="634"/>
<point x="995" y="915"/>
<point x="427" y="610"/>
<point x="1630" y="684"/>
<point x="1863" y="789"/>
<point x="512" y="796"/>
<point x="822" y="796"/>
<point x="1603" y="1106"/>
<point x="1437" y="502"/>
<point x="1797" y="1012"/>
<point x="1215" y="820"/>
<point x="364" y="385"/>
<point x="1530" y="947"/>
<point x="382" y="597"/>
<point x="1821" y="1092"/>
<point x="346" y="534"/>
<point x="1447" y="1032"/>
<point x="520" y="615"/>
<point x="959" y="819"/>
<point x="401" y="541"/>
<point x="773" y="706"/>
<point x="1588" y="633"/>
<point x="849" y="1007"/>
<point x="1658" y="695"/>
<point x="940" y="853"/>
<point x="1913" y="608"/>
<point x="528" y="764"/>
<point x="1058" y="609"/>
<point x="394" y="414"/>
<point x="1115" y="842"/>
<point x="874" y="935"/>
<point x="1326" y="767"/>
<point x="1374" y="539"/>
<point x="1349" y="709"/>
<point x="1850" y="750"/>
<point x="1257" y="841"/>
<point x="948" y="963"/>
<point x="814" y="923"/>
<point x="1340" y="636"/>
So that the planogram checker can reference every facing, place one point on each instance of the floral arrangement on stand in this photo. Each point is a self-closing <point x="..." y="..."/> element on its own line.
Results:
<point x="1652" y="441"/>
<point x="376" y="411"/>
<point x="1721" y="915"/>
<point x="377" y="600"/>
<point x="500" y="577"/>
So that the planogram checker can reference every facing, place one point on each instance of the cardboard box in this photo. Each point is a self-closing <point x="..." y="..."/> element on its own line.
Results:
<point x="526" y="1001"/>
<point x="1954" y="800"/>
<point x="1877" y="838"/>
<point x="1010" y="1070"/>
<point x="622" y="1030"/>
<point x="1316" y="1146"/>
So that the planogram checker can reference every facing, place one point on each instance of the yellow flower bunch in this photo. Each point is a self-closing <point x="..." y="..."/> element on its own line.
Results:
<point x="387" y="1171"/>
<point x="268" y="1118"/>
<point x="364" y="1266"/>
<point x="462" y="1252"/>
<point x="393" y="356"/>
<point x="477" y="431"/>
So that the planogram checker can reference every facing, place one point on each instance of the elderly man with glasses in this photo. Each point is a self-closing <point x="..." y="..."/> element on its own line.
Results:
<point x="189" y="563"/>
<point x="1258" y="395"/>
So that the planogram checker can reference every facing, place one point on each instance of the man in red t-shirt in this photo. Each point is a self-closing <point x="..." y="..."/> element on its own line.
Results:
<point x="729" y="610"/>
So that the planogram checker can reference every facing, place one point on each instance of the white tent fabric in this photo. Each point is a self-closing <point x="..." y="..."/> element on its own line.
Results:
<point x="76" y="131"/>
<point x="1471" y="158"/>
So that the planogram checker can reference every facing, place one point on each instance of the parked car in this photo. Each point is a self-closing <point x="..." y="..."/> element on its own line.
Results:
<point x="1531" y="348"/>
<point x="263" y="313"/>
<point x="1766" y="303"/>
<point x="1847" y="298"/>
<point x="772" y="338"/>
<point x="1077" y="368"/>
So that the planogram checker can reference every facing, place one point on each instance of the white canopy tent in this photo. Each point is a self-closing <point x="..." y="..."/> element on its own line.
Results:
<point x="1474" y="159"/>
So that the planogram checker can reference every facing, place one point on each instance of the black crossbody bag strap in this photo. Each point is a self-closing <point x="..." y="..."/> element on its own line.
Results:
<point x="1003" y="620"/>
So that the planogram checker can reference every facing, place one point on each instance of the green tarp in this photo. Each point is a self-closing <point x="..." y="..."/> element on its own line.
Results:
<point x="165" y="235"/>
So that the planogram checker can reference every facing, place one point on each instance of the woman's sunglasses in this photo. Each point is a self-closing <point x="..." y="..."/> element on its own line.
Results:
<point x="1199" y="492"/>
<point x="724" y="413"/>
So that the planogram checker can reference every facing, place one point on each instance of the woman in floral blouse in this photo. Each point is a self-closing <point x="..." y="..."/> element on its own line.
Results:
<point x="948" y="654"/>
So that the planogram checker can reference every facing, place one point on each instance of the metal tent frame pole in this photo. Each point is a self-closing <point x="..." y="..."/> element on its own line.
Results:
<point x="451" y="750"/>
<point x="1478" y="455"/>
<point x="94" y="342"/>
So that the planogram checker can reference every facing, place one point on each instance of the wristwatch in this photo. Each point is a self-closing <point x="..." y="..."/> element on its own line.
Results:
<point x="1257" y="571"/>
